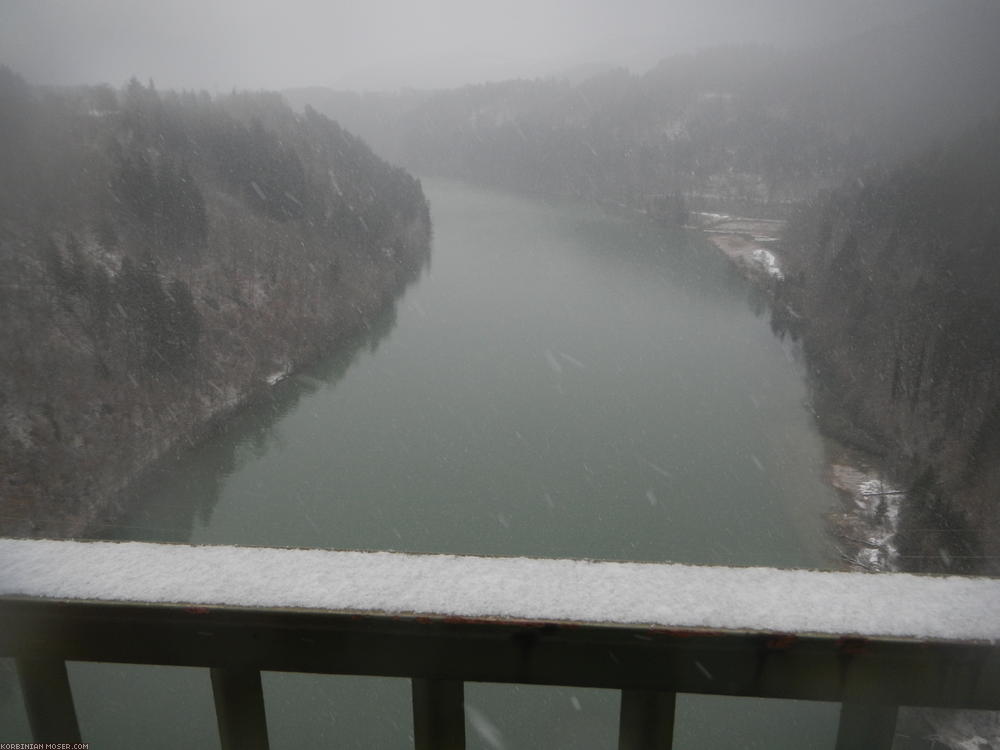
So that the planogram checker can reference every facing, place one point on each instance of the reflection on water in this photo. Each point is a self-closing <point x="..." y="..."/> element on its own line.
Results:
<point x="181" y="492"/>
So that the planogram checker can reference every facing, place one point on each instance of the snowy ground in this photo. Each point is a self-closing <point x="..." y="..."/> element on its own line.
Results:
<point x="865" y="529"/>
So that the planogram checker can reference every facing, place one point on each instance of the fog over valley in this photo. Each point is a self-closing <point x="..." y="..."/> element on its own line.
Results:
<point x="394" y="44"/>
<point x="708" y="285"/>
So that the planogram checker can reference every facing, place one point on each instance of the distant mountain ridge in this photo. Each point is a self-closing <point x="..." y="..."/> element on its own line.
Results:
<point x="739" y="127"/>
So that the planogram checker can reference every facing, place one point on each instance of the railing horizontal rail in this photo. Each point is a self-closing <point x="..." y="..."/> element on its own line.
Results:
<point x="889" y="640"/>
<point x="825" y="668"/>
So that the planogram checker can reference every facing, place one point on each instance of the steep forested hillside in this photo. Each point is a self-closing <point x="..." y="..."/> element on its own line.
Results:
<point x="893" y="284"/>
<point x="163" y="257"/>
<point x="744" y="128"/>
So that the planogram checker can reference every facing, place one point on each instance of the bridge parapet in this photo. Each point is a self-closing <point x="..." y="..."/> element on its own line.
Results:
<point x="650" y="630"/>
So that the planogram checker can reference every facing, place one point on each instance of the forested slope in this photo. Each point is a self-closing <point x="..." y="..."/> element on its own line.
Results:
<point x="164" y="257"/>
<point x="893" y="284"/>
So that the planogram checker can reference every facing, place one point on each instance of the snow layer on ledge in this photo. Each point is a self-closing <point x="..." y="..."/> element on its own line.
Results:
<point x="666" y="595"/>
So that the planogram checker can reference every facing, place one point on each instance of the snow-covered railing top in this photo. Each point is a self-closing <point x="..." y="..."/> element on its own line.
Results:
<point x="871" y="642"/>
<point x="668" y="596"/>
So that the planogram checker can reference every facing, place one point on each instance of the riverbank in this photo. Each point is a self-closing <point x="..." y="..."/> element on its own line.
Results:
<point x="247" y="350"/>
<point x="868" y="530"/>
<point x="863" y="529"/>
<point x="365" y="322"/>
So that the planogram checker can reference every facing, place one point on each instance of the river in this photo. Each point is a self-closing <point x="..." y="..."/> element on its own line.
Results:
<point x="557" y="383"/>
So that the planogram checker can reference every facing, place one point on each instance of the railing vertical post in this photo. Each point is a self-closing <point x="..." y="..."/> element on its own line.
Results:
<point x="646" y="720"/>
<point x="239" y="709"/>
<point x="48" y="700"/>
<point x="866" y="725"/>
<point x="438" y="714"/>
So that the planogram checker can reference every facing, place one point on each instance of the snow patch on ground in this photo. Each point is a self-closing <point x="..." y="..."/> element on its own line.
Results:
<point x="867" y="527"/>
<point x="768" y="262"/>
<point x="276" y="377"/>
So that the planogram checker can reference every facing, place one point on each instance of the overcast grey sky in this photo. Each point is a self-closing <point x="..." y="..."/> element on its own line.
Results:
<point x="388" y="44"/>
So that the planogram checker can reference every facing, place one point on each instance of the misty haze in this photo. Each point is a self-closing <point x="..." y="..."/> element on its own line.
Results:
<point x="712" y="283"/>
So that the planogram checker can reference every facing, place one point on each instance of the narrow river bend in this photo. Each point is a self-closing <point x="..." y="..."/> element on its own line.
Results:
<point x="558" y="383"/>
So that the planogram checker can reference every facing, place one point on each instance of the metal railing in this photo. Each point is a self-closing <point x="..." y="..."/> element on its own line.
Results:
<point x="868" y="673"/>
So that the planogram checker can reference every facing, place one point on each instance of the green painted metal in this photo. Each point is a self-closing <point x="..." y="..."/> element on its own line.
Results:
<point x="48" y="699"/>
<point x="866" y="725"/>
<point x="646" y="720"/>
<point x="239" y="708"/>
<point x="438" y="714"/>
<point x="892" y="671"/>
<point x="869" y="675"/>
